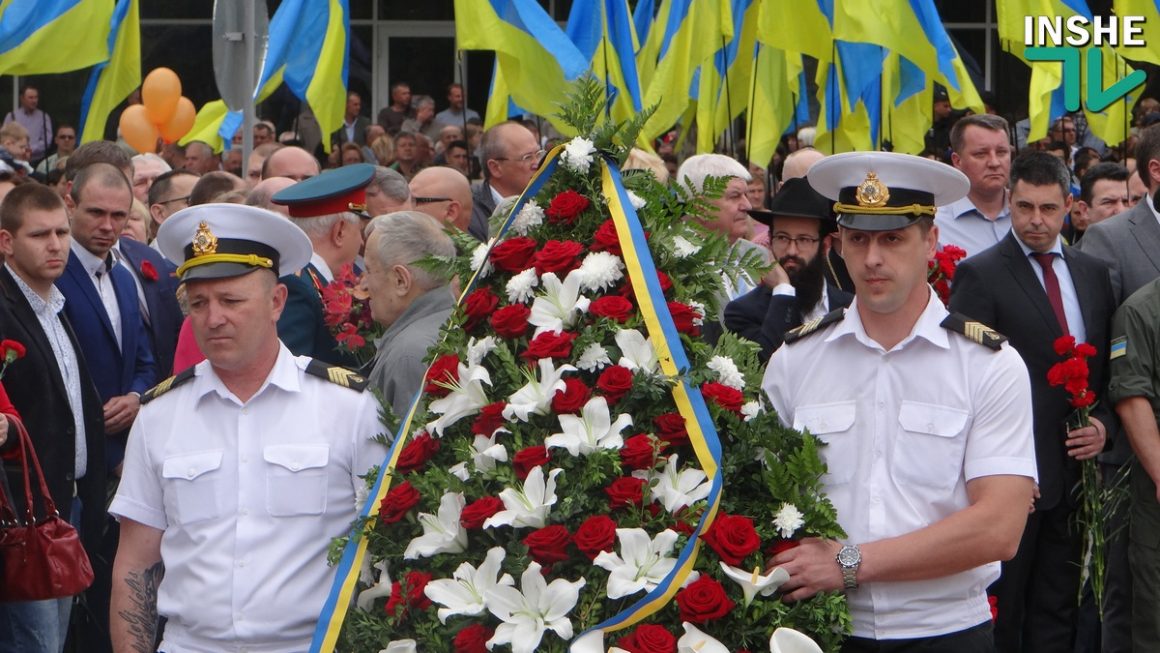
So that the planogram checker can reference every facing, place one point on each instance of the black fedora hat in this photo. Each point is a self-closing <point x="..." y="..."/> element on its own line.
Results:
<point x="796" y="199"/>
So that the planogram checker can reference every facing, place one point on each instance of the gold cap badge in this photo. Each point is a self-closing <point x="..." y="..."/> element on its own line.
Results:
<point x="204" y="242"/>
<point x="872" y="192"/>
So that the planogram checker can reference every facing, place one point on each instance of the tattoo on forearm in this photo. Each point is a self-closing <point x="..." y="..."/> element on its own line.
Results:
<point x="141" y="616"/>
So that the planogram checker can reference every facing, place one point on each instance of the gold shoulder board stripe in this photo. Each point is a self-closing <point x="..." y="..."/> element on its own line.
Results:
<point x="337" y="375"/>
<point x="974" y="331"/>
<point x="814" y="325"/>
<point x="167" y="385"/>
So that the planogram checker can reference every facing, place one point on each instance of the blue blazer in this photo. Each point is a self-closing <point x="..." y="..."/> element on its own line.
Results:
<point x="165" y="315"/>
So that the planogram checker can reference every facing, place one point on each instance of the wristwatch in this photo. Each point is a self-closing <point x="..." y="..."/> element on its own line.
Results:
<point x="850" y="559"/>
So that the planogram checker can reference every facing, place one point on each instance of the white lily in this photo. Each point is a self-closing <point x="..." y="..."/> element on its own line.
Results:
<point x="593" y="430"/>
<point x="636" y="353"/>
<point x="696" y="641"/>
<point x="442" y="533"/>
<point x="788" y="640"/>
<point x="536" y="396"/>
<point x="754" y="582"/>
<point x="478" y="349"/>
<point x="642" y="563"/>
<point x="381" y="587"/>
<point x="537" y="606"/>
<point x="465" y="399"/>
<point x="676" y="488"/>
<point x="559" y="302"/>
<point x="527" y="507"/>
<point x="466" y="591"/>
<point x="485" y="453"/>
<point x="401" y="646"/>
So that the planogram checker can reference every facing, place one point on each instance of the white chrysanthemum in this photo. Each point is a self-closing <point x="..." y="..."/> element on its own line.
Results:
<point x="529" y="216"/>
<point x="750" y="410"/>
<point x="522" y="287"/>
<point x="478" y="349"/>
<point x="636" y="201"/>
<point x="683" y="248"/>
<point x="700" y="309"/>
<point x="727" y="372"/>
<point x="600" y="270"/>
<point x="595" y="357"/>
<point x="788" y="520"/>
<point x="479" y="258"/>
<point x="577" y="154"/>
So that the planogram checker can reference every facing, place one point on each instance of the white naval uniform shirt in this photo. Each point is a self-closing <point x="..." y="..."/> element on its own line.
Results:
<point x="906" y="429"/>
<point x="249" y="496"/>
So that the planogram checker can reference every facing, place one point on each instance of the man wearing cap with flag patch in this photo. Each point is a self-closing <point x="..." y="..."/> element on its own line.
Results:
<point x="330" y="209"/>
<point x="241" y="469"/>
<point x="795" y="290"/>
<point x="926" y="417"/>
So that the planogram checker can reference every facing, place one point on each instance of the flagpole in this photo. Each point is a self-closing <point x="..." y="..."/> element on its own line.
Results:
<point x="834" y="91"/>
<point x="607" y="80"/>
<point x="728" y="102"/>
<point x="251" y="32"/>
<point x="15" y="95"/>
<point x="749" y="110"/>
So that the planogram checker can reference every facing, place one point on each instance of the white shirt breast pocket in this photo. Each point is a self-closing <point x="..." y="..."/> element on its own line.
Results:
<point x="296" y="479"/>
<point x="832" y="424"/>
<point x="195" y="481"/>
<point x="930" y="446"/>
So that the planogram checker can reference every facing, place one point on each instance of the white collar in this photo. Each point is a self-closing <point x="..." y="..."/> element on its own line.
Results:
<point x="91" y="262"/>
<point x="284" y="375"/>
<point x="323" y="269"/>
<point x="1056" y="248"/>
<point x="928" y="326"/>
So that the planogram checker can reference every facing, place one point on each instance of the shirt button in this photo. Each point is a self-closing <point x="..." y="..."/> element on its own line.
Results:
<point x="295" y="466"/>
<point x="875" y="499"/>
<point x="930" y="426"/>
<point x="190" y="472"/>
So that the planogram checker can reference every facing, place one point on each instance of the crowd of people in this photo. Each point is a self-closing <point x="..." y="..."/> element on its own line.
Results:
<point x="123" y="272"/>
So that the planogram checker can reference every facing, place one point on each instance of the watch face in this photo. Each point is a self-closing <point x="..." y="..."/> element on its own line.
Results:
<point x="849" y="556"/>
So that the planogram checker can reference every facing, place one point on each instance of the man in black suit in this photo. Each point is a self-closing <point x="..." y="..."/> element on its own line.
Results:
<point x="1033" y="289"/>
<point x="51" y="388"/>
<point x="354" y="126"/>
<point x="510" y="155"/>
<point x="156" y="281"/>
<point x="796" y="289"/>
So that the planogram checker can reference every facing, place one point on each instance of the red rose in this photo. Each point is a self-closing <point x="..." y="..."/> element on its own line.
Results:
<point x="412" y="598"/>
<point x="513" y="254"/>
<point x="613" y="307"/>
<point x="649" y="638"/>
<point x="11" y="350"/>
<point x="639" y="452"/>
<point x="671" y="429"/>
<point x="614" y="382"/>
<point x="566" y="207"/>
<point x="548" y="545"/>
<point x="663" y="279"/>
<point x="148" y="272"/>
<point x="625" y="492"/>
<point x="573" y="397"/>
<point x="703" y="600"/>
<point x="529" y="457"/>
<point x="559" y="256"/>
<point x="781" y="546"/>
<point x="473" y="639"/>
<point x="596" y="534"/>
<point x="445" y="369"/>
<point x="416" y="453"/>
<point x="511" y="321"/>
<point x="489" y="419"/>
<point x="733" y="538"/>
<point x="605" y="239"/>
<point x="683" y="316"/>
<point x="549" y="345"/>
<point x="478" y="305"/>
<point x="399" y="500"/>
<point x="724" y="396"/>
<point x="477" y="512"/>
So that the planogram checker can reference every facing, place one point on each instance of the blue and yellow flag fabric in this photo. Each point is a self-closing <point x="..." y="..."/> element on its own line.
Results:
<point x="1150" y="29"/>
<point x="52" y="36"/>
<point x="604" y="33"/>
<point x="778" y="101"/>
<point x="725" y="80"/>
<point x="112" y="81"/>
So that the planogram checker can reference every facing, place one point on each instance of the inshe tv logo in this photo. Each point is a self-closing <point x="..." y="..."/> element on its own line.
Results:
<point x="1052" y="38"/>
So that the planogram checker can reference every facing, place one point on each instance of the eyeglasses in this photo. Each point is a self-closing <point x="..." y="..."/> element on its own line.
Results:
<point x="175" y="199"/>
<point x="430" y="200"/>
<point x="66" y="137"/>
<point x="801" y="241"/>
<point x="530" y="157"/>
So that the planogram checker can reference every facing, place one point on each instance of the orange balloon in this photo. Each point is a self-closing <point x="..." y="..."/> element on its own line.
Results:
<point x="138" y="132"/>
<point x="160" y="93"/>
<point x="181" y="122"/>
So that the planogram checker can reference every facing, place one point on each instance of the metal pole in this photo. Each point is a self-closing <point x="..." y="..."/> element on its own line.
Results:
<point x="15" y="95"/>
<point x="250" y="35"/>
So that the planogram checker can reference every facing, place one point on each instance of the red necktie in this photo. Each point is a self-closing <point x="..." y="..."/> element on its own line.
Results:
<point x="1051" y="284"/>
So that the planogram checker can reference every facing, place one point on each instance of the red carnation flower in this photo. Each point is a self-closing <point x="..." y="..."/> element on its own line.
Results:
<point x="566" y="207"/>
<point x="148" y="272"/>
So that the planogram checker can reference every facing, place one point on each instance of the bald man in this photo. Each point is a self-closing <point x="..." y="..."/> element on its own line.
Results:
<point x="261" y="193"/>
<point x="444" y="194"/>
<point x="510" y="155"/>
<point x="798" y="163"/>
<point x="291" y="162"/>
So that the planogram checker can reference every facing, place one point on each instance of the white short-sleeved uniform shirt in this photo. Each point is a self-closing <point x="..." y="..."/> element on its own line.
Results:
<point x="249" y="496"/>
<point x="905" y="430"/>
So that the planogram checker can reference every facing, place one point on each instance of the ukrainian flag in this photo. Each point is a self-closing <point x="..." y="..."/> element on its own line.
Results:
<point x="802" y="26"/>
<point x="777" y="86"/>
<point x="603" y="32"/>
<point x="907" y="97"/>
<point x="52" y="36"/>
<point x="536" y="57"/>
<point x="113" y="81"/>
<point x="725" y="80"/>
<point x="1150" y="30"/>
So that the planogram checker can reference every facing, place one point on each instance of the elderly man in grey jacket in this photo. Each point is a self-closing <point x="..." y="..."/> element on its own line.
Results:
<point x="411" y="302"/>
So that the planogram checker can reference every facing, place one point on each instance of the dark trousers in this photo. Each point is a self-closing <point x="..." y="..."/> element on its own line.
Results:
<point x="979" y="639"/>
<point x="1037" y="590"/>
<point x="1144" y="557"/>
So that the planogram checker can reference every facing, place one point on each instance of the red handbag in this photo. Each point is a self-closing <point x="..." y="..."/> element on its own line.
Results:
<point x="38" y="559"/>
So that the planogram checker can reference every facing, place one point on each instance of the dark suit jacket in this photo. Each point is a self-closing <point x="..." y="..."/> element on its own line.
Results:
<point x="115" y="370"/>
<point x="998" y="288"/>
<point x="763" y="317"/>
<point x="360" y="132"/>
<point x="302" y="327"/>
<point x="482" y="206"/>
<point x="1129" y="243"/>
<point x="38" y="392"/>
<point x="165" y="315"/>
